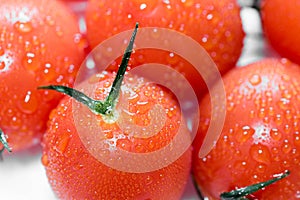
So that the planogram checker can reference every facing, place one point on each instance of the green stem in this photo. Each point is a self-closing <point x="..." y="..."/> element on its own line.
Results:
<point x="101" y="107"/>
<point x="4" y="142"/>
<point x="242" y="192"/>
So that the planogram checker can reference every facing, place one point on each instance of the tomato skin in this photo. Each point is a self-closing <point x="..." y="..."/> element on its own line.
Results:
<point x="260" y="137"/>
<point x="216" y="25"/>
<point x="281" y="27"/>
<point x="34" y="36"/>
<point x="74" y="173"/>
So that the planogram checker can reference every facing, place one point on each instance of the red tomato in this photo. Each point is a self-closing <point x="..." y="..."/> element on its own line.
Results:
<point x="281" y="27"/>
<point x="73" y="171"/>
<point x="260" y="137"/>
<point x="40" y="44"/>
<point x="216" y="25"/>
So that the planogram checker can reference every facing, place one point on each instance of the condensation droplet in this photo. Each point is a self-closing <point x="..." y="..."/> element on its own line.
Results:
<point x="255" y="79"/>
<point x="286" y="147"/>
<point x="29" y="104"/>
<point x="143" y="6"/>
<point x="23" y="27"/>
<point x="244" y="134"/>
<point x="260" y="153"/>
<point x="45" y="160"/>
<point x="31" y="62"/>
<point x="63" y="143"/>
<point x="297" y="138"/>
<point x="275" y="134"/>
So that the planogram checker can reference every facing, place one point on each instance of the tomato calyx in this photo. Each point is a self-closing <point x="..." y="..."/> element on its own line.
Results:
<point x="107" y="106"/>
<point x="241" y="193"/>
<point x="4" y="143"/>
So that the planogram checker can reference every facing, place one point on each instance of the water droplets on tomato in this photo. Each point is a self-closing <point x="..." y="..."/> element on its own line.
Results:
<point x="286" y="147"/>
<point x="45" y="160"/>
<point x="23" y="27"/>
<point x="255" y="79"/>
<point x="31" y="62"/>
<point x="244" y="134"/>
<point x="29" y="104"/>
<point x="260" y="153"/>
<point x="275" y="134"/>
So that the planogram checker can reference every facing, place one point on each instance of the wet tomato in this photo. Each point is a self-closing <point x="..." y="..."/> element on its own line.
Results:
<point x="260" y="137"/>
<point x="40" y="43"/>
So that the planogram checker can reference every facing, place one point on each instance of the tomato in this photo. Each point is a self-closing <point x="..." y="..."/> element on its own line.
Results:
<point x="81" y="148"/>
<point x="216" y="25"/>
<point x="40" y="43"/>
<point x="74" y="173"/>
<point x="260" y="136"/>
<point x="281" y="27"/>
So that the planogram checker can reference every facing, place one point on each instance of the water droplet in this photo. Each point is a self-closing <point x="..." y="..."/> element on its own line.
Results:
<point x="244" y="134"/>
<point x="209" y="16"/>
<point x="143" y="6"/>
<point x="31" y="62"/>
<point x="261" y="168"/>
<point x="284" y="103"/>
<point x="240" y="165"/>
<point x="286" y="147"/>
<point x="262" y="113"/>
<point x="23" y="27"/>
<point x="29" y="104"/>
<point x="260" y="153"/>
<point x="275" y="134"/>
<point x="63" y="143"/>
<point x="45" y="160"/>
<point x="297" y="138"/>
<point x="149" y="180"/>
<point x="204" y="39"/>
<point x="255" y="79"/>
<point x="278" y="119"/>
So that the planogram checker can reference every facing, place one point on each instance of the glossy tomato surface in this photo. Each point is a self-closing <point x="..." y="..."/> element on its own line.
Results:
<point x="71" y="161"/>
<point x="40" y="44"/>
<point x="260" y="137"/>
<point x="281" y="27"/>
<point x="216" y="25"/>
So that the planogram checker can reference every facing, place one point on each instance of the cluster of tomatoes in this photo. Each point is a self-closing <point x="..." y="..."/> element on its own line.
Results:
<point x="42" y="43"/>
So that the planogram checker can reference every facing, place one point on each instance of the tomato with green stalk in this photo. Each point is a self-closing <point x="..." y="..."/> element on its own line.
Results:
<point x="72" y="166"/>
<point x="260" y="137"/>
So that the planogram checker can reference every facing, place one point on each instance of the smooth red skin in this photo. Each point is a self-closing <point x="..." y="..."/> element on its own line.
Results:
<point x="281" y="27"/>
<point x="50" y="35"/>
<point x="75" y="174"/>
<point x="256" y="106"/>
<point x="223" y="32"/>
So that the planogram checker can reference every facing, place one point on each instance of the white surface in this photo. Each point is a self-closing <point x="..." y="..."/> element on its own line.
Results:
<point x="23" y="177"/>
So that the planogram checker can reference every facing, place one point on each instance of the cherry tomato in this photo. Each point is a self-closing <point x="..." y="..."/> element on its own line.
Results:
<point x="216" y="25"/>
<point x="281" y="27"/>
<point x="40" y="43"/>
<point x="260" y="137"/>
<point x="74" y="173"/>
